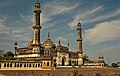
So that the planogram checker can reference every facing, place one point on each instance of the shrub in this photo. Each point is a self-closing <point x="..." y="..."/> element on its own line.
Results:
<point x="81" y="75"/>
<point x="75" y="73"/>
<point x="97" y="74"/>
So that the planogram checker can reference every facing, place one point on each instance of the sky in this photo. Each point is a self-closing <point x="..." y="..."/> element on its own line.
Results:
<point x="100" y="20"/>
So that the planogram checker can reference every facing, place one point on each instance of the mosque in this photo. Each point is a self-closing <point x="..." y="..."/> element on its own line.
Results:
<point x="47" y="54"/>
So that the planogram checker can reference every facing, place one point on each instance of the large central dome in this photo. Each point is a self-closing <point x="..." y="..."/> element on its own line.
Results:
<point x="48" y="43"/>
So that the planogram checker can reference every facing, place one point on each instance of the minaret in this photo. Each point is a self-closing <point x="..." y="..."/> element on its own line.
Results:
<point x="79" y="44"/>
<point x="36" y="28"/>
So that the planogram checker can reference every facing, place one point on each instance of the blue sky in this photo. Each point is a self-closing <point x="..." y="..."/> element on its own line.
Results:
<point x="100" y="23"/>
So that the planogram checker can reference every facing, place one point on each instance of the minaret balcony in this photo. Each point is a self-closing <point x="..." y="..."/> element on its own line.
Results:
<point x="79" y="39"/>
<point x="37" y="10"/>
<point x="79" y="28"/>
<point x="37" y="27"/>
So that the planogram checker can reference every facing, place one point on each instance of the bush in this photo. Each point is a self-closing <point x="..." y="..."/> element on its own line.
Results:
<point x="75" y="73"/>
<point x="97" y="74"/>
<point x="81" y="75"/>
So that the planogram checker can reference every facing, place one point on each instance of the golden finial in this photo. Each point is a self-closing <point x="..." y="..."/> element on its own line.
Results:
<point x="48" y="35"/>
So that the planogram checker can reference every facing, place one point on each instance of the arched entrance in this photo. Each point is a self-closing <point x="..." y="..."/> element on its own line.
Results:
<point x="63" y="61"/>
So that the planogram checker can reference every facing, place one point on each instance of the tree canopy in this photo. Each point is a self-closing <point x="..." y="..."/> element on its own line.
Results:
<point x="8" y="56"/>
<point x="114" y="65"/>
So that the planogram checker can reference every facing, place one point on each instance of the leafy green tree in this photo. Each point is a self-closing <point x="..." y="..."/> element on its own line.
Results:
<point x="114" y="65"/>
<point x="97" y="74"/>
<point x="75" y="73"/>
<point x="85" y="58"/>
<point x="118" y="74"/>
<point x="81" y="75"/>
<point x="8" y="56"/>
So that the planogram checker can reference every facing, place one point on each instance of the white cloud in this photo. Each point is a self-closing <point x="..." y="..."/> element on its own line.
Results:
<point x="103" y="17"/>
<point x="63" y="39"/>
<point x="84" y="14"/>
<point x="5" y="3"/>
<point x="104" y="31"/>
<point x="27" y="18"/>
<point x="54" y="8"/>
<point x="3" y="28"/>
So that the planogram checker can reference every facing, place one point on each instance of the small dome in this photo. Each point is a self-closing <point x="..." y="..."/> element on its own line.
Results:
<point x="29" y="46"/>
<point x="48" y="43"/>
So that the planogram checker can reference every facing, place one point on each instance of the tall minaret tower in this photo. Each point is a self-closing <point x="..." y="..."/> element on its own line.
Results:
<point x="36" y="28"/>
<point x="79" y="44"/>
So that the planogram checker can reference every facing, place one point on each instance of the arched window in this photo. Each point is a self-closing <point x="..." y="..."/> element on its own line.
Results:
<point x="15" y="65"/>
<point x="24" y="64"/>
<point x="0" y="65"/>
<point x="10" y="64"/>
<point x="30" y="65"/>
<point x="47" y="63"/>
<point x="4" y="64"/>
<point x="38" y="64"/>
<point x="20" y="64"/>
<point x="7" y="64"/>
<point x="27" y="64"/>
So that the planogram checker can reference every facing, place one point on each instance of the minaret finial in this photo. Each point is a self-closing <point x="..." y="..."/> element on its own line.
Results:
<point x="48" y="35"/>
<point x="59" y="42"/>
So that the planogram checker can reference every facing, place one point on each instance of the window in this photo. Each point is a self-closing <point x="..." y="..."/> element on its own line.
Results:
<point x="20" y="64"/>
<point x="24" y="64"/>
<point x="30" y="65"/>
<point x="15" y="65"/>
<point x="47" y="63"/>
<point x="4" y="64"/>
<point x="7" y="64"/>
<point x="38" y="64"/>
<point x="10" y="64"/>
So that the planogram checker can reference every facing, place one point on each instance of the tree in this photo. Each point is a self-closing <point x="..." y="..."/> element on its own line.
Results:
<point x="75" y="73"/>
<point x="97" y="74"/>
<point x="1" y="53"/>
<point x="85" y="58"/>
<point x="81" y="75"/>
<point x="114" y="65"/>
<point x="8" y="56"/>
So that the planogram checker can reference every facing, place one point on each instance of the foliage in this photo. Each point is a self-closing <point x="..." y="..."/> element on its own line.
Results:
<point x="81" y="75"/>
<point x="97" y="74"/>
<point x="75" y="73"/>
<point x="85" y="58"/>
<point x="114" y="65"/>
<point x="1" y="53"/>
<point x="8" y="56"/>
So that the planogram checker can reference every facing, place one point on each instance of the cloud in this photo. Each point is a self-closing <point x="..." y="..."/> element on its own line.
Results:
<point x="3" y="28"/>
<point x="86" y="13"/>
<point x="27" y="18"/>
<point x="5" y="3"/>
<point x="63" y="39"/>
<point x="103" y="17"/>
<point x="55" y="8"/>
<point x="105" y="31"/>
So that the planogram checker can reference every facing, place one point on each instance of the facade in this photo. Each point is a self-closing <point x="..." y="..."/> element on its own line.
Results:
<point x="46" y="54"/>
<point x="95" y="63"/>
